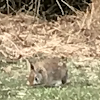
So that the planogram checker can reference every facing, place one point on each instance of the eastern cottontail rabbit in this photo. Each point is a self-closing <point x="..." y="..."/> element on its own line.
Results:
<point x="48" y="72"/>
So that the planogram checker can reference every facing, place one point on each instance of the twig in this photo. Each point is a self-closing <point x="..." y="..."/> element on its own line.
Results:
<point x="8" y="6"/>
<point x="4" y="54"/>
<point x="38" y="7"/>
<point x="60" y="7"/>
<point x="12" y="9"/>
<point x="72" y="8"/>
<point x="12" y="43"/>
<point x="7" y="1"/>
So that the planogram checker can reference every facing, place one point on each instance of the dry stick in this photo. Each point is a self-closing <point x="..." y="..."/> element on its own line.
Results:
<point x="3" y="7"/>
<point x="72" y="8"/>
<point x="13" y="4"/>
<point x="60" y="7"/>
<point x="4" y="54"/>
<point x="8" y="6"/>
<point x="85" y="2"/>
<point x="12" y="9"/>
<point x="22" y="8"/>
<point x="31" y="6"/>
<point x="51" y="8"/>
<point x="31" y="2"/>
<point x="38" y="8"/>
<point x="89" y="21"/>
<point x="7" y="1"/>
<point x="13" y="43"/>
<point x="19" y="3"/>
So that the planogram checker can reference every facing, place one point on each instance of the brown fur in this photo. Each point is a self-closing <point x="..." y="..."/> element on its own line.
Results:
<point x="49" y="70"/>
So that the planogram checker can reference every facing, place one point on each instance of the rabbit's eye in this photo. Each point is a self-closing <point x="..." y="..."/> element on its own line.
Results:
<point x="36" y="79"/>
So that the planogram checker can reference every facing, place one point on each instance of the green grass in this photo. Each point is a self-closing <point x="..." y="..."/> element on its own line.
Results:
<point x="84" y="77"/>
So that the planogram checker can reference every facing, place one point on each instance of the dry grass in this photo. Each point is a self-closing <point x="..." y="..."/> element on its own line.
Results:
<point x="76" y="36"/>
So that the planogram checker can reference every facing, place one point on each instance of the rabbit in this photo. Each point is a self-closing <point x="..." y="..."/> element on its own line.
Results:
<point x="48" y="72"/>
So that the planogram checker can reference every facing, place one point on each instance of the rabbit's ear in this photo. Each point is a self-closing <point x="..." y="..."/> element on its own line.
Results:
<point x="32" y="66"/>
<point x="40" y="71"/>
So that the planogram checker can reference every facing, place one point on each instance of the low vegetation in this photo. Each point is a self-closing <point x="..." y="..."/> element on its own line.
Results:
<point x="75" y="37"/>
<point x="83" y="75"/>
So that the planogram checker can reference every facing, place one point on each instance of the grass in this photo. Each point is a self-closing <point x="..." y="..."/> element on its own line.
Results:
<point x="84" y="77"/>
<point x="75" y="36"/>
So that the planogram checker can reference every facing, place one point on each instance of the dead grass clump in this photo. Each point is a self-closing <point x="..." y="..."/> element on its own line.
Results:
<point x="23" y="35"/>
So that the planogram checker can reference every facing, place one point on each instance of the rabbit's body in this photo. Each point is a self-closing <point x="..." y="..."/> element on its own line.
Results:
<point x="48" y="72"/>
